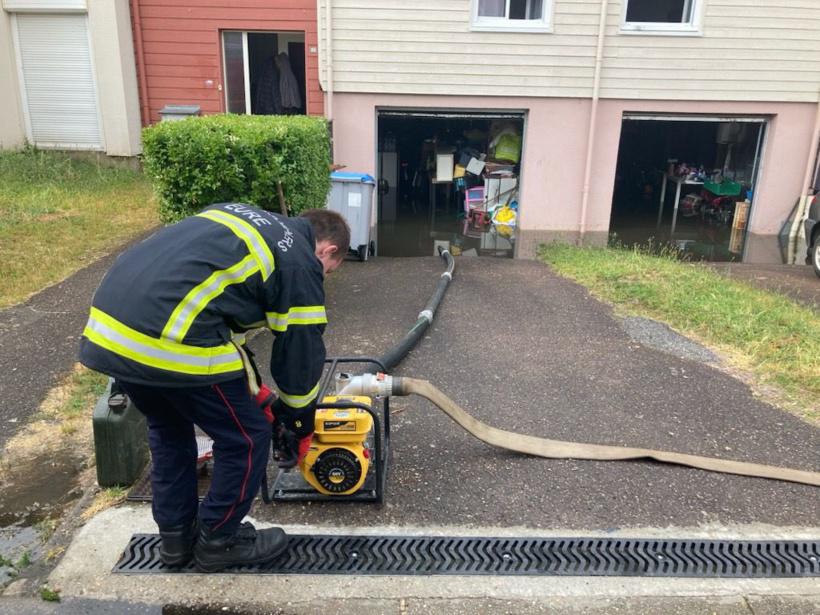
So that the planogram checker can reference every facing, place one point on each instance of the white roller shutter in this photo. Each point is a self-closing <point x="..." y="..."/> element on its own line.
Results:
<point x="58" y="80"/>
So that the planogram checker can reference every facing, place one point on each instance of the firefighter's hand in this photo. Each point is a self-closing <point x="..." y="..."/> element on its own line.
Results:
<point x="304" y="447"/>
<point x="288" y="449"/>
<point x="292" y="433"/>
<point x="266" y="398"/>
<point x="285" y="446"/>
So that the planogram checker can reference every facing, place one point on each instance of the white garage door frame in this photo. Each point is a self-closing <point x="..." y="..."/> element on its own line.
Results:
<point x="97" y="141"/>
<point x="764" y="123"/>
<point x="445" y="113"/>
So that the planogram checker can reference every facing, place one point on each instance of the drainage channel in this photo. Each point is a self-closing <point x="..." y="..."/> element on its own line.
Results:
<point x="438" y="555"/>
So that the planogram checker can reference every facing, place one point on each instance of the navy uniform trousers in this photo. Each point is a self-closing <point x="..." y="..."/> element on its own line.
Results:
<point x="241" y="435"/>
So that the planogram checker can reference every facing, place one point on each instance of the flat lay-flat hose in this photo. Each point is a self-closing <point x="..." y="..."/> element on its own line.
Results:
<point x="556" y="449"/>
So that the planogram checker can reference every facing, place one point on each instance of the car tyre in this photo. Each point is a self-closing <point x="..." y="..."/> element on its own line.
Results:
<point x="815" y="254"/>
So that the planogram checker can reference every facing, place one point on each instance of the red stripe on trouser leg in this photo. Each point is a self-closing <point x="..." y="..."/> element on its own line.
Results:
<point x="250" y="457"/>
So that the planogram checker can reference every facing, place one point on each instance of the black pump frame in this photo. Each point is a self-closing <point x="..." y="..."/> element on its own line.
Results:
<point x="381" y="444"/>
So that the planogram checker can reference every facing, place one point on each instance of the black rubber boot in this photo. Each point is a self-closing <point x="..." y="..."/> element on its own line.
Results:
<point x="248" y="546"/>
<point x="177" y="545"/>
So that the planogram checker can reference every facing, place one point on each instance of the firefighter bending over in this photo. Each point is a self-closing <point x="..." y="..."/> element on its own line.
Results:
<point x="164" y="322"/>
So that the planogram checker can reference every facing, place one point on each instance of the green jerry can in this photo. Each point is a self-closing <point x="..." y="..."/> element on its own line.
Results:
<point x="120" y="438"/>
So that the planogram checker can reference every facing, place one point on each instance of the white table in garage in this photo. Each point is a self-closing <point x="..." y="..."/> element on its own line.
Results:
<point x="679" y="181"/>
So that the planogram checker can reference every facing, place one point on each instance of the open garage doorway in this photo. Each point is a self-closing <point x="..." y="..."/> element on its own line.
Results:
<point x="687" y="182"/>
<point x="448" y="178"/>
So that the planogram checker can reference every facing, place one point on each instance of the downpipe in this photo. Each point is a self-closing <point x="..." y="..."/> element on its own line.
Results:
<point x="797" y="239"/>
<point x="382" y="385"/>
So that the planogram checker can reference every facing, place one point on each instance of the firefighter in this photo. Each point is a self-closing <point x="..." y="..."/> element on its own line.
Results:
<point x="165" y="322"/>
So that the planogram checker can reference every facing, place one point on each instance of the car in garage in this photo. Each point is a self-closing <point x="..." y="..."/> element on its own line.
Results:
<point x="812" y="223"/>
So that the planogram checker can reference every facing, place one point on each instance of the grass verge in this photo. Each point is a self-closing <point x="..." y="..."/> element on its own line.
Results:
<point x="57" y="214"/>
<point x="106" y="498"/>
<point x="764" y="333"/>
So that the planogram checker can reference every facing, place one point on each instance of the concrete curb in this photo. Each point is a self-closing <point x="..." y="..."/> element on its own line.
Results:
<point x="85" y="573"/>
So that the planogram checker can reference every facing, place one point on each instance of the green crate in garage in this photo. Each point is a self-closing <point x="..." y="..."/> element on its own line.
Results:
<point x="725" y="188"/>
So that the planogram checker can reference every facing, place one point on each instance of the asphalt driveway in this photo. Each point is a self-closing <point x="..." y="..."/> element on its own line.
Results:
<point x="39" y="341"/>
<point x="528" y="351"/>
<point x="525" y="350"/>
<point x="797" y="282"/>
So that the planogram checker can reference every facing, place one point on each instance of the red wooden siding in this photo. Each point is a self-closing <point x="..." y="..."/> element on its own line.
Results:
<point x="182" y="48"/>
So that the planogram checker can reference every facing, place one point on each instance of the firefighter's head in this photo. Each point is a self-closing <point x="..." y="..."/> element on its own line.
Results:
<point x="332" y="236"/>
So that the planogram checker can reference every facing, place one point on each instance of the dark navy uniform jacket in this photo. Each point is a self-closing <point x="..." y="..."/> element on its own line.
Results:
<point x="169" y="311"/>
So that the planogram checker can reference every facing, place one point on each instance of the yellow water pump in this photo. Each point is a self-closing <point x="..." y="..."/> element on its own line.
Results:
<point x="339" y="454"/>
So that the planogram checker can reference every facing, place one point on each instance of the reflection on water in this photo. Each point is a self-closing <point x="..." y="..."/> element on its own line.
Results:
<point x="34" y="492"/>
<point x="418" y="236"/>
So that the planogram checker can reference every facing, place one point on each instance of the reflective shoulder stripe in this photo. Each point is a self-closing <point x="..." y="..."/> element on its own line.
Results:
<point x="305" y="315"/>
<point x="299" y="401"/>
<point x="202" y="294"/>
<point x="109" y="333"/>
<point x="252" y="238"/>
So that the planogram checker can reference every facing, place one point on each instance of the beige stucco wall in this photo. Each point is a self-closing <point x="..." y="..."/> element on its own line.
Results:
<point x="115" y="73"/>
<point x="113" y="50"/>
<point x="12" y="130"/>
<point x="555" y="150"/>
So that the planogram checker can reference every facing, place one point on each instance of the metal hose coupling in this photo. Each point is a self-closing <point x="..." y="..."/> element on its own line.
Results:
<point x="369" y="385"/>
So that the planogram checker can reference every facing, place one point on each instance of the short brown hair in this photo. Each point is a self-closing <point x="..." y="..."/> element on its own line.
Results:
<point x="329" y="226"/>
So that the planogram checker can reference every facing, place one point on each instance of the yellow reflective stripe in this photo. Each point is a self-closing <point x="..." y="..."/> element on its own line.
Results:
<point x="304" y="315"/>
<point x="109" y="333"/>
<point x="252" y="238"/>
<point x="202" y="294"/>
<point x="299" y="401"/>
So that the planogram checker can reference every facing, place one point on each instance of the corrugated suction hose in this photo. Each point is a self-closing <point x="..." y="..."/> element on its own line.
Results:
<point x="396" y="354"/>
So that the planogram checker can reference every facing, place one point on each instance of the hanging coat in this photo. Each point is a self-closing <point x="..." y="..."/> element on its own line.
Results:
<point x="268" y="98"/>
<point x="288" y="85"/>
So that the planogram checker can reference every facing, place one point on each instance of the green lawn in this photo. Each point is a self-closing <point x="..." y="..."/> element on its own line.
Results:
<point x="765" y="333"/>
<point x="58" y="214"/>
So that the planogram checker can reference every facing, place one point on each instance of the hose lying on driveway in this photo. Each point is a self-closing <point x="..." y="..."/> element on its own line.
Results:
<point x="370" y="385"/>
<point x="394" y="356"/>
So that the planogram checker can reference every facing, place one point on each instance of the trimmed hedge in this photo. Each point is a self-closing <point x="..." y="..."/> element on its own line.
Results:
<point x="199" y="161"/>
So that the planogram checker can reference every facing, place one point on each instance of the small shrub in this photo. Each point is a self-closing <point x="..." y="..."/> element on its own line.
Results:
<point x="50" y="595"/>
<point x="46" y="528"/>
<point x="24" y="561"/>
<point x="203" y="160"/>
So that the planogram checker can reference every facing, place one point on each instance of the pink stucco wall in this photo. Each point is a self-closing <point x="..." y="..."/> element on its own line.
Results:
<point x="555" y="150"/>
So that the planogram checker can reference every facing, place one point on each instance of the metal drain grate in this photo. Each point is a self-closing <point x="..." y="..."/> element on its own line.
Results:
<point x="141" y="491"/>
<point x="417" y="555"/>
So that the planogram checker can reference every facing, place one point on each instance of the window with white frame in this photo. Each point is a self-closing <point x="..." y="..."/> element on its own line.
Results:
<point x="526" y="15"/>
<point x="661" y="15"/>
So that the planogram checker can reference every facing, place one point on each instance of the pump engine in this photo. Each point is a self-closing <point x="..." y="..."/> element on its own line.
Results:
<point x="339" y="455"/>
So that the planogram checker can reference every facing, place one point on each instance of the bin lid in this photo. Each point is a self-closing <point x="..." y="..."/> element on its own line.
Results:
<point x="364" y="178"/>
<point x="180" y="110"/>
